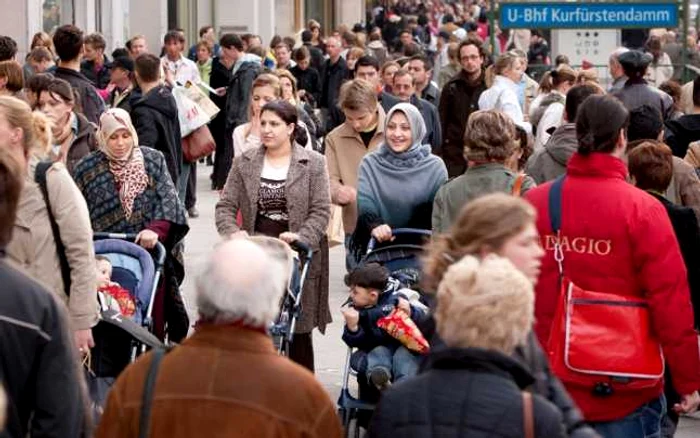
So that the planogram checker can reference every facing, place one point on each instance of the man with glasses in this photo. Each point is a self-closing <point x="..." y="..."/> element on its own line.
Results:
<point x="460" y="98"/>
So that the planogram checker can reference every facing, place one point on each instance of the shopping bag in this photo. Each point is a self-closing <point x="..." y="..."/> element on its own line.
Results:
<point x="400" y="326"/>
<point x="198" y="96"/>
<point x="190" y="115"/>
<point x="198" y="144"/>
<point x="335" y="231"/>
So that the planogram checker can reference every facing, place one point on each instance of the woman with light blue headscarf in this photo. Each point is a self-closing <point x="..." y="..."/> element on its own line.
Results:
<point x="398" y="181"/>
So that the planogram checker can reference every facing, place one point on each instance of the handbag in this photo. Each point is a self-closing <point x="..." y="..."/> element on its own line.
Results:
<point x="335" y="231"/>
<point x="199" y="144"/>
<point x="598" y="339"/>
<point x="189" y="114"/>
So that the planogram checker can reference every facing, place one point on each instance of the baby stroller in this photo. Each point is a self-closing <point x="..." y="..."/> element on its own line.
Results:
<point x="402" y="258"/>
<point x="119" y="339"/>
<point x="282" y="330"/>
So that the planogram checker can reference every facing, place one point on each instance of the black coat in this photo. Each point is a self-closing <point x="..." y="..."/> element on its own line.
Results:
<point x="636" y="92"/>
<point x="91" y="103"/>
<point x="333" y="76"/>
<point x="680" y="133"/>
<point x="220" y="77"/>
<point x="101" y="79"/>
<point x="157" y="126"/>
<point x="38" y="365"/>
<point x="316" y="56"/>
<point x="460" y="98"/>
<point x="464" y="393"/>
<point x="308" y="80"/>
<point x="685" y="226"/>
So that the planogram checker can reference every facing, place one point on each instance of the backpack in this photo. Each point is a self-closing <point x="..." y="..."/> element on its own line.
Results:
<point x="546" y="101"/>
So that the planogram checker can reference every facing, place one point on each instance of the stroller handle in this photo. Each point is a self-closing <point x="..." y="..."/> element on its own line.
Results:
<point x="398" y="232"/>
<point x="302" y="247"/>
<point x="159" y="249"/>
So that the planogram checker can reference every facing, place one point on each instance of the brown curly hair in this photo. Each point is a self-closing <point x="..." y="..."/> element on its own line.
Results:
<point x="485" y="223"/>
<point x="490" y="136"/>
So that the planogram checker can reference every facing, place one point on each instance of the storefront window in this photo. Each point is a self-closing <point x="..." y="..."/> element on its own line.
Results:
<point x="56" y="13"/>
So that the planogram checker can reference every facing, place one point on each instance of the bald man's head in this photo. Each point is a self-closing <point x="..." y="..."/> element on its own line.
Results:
<point x="240" y="282"/>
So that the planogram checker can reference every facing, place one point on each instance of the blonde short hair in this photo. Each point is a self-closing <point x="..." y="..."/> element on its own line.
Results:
<point x="485" y="304"/>
<point x="357" y="95"/>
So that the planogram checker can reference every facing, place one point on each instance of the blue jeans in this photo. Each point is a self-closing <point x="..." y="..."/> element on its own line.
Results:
<point x="400" y="364"/>
<point x="182" y="181"/>
<point x="645" y="422"/>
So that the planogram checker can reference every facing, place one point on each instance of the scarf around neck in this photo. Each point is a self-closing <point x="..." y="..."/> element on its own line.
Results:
<point x="130" y="176"/>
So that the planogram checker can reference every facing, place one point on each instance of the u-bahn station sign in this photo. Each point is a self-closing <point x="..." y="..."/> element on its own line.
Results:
<point x="587" y="15"/>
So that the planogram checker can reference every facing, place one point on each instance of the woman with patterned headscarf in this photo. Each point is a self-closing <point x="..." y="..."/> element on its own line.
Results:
<point x="128" y="190"/>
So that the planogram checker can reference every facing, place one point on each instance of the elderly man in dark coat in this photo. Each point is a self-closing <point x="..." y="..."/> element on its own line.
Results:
<point x="227" y="379"/>
<point x="636" y="92"/>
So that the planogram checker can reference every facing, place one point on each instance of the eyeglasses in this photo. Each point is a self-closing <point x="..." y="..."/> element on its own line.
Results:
<point x="470" y="57"/>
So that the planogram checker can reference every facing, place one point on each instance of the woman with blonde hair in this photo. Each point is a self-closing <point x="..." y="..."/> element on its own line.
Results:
<point x="266" y="88"/>
<point x="63" y="263"/>
<point x="502" y="94"/>
<point x="547" y="110"/>
<point x="484" y="311"/>
<point x="288" y="83"/>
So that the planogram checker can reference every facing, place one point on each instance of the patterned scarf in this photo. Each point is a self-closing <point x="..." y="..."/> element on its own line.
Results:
<point x="131" y="178"/>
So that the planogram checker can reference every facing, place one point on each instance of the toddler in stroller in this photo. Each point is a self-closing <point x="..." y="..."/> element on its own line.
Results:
<point x="374" y="296"/>
<point x="110" y="294"/>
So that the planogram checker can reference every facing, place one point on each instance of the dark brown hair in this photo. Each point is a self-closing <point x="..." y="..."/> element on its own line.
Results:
<point x="599" y="122"/>
<point x="68" y="41"/>
<point x="147" y="65"/>
<point x="96" y="40"/>
<point x="289" y="115"/>
<point x="651" y="165"/>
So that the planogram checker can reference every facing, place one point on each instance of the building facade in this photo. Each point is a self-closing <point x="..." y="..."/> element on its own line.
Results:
<point x="117" y="20"/>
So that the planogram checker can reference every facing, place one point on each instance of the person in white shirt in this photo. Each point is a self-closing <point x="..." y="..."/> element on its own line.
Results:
<point x="547" y="113"/>
<point x="177" y="68"/>
<point x="503" y="93"/>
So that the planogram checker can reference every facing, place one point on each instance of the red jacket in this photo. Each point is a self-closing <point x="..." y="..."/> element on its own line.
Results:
<point x="619" y="239"/>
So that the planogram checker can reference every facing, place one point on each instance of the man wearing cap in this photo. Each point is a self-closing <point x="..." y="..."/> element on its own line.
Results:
<point x="121" y="77"/>
<point x="636" y="92"/>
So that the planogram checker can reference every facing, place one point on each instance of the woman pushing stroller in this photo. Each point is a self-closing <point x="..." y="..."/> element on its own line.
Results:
<point x="128" y="190"/>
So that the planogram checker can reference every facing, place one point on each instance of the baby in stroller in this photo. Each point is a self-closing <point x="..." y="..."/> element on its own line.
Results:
<point x="110" y="294"/>
<point x="374" y="296"/>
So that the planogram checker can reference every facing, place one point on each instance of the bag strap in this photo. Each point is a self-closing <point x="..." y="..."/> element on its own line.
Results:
<point x="40" y="177"/>
<point x="528" y="416"/>
<point x="517" y="188"/>
<point x="148" y="390"/>
<point x="555" y="195"/>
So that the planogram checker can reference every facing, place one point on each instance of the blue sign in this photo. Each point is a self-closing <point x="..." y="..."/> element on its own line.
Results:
<point x="587" y="15"/>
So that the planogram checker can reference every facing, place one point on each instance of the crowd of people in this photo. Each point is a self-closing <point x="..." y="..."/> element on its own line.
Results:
<point x="551" y="201"/>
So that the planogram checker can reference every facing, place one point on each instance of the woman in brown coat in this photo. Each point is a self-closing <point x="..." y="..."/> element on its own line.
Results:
<point x="282" y="190"/>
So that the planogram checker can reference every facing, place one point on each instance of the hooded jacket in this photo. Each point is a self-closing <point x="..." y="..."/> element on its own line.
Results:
<point x="38" y="364"/>
<point x="618" y="240"/>
<point x="550" y="161"/>
<point x="680" y="133"/>
<point x="156" y="121"/>
<point x="464" y="392"/>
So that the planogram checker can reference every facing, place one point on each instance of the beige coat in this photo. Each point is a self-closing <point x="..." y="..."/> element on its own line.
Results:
<point x="308" y="204"/>
<point x="344" y="152"/>
<point x="33" y="249"/>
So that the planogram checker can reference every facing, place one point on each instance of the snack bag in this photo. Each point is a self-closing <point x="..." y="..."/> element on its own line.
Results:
<point x="400" y="326"/>
<point x="127" y="306"/>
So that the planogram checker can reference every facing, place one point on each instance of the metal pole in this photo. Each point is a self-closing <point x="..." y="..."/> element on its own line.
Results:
<point x="684" y="51"/>
<point x="492" y="26"/>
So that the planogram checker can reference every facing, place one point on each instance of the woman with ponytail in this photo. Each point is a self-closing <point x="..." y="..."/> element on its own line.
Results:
<point x="281" y="190"/>
<point x="547" y="110"/>
<point x="617" y="240"/>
